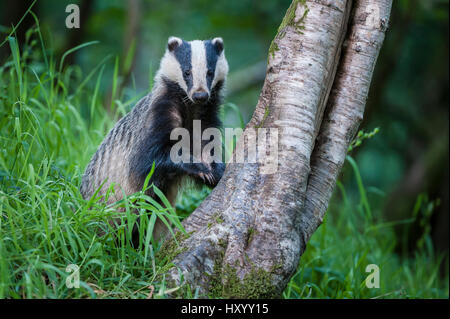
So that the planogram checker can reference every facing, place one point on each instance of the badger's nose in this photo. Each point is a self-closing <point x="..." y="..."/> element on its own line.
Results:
<point x="200" y="96"/>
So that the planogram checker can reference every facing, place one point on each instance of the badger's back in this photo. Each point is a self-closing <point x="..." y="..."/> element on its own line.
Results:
<point x="110" y="163"/>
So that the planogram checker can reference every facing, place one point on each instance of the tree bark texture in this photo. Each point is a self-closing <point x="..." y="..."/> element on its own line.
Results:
<point x="245" y="240"/>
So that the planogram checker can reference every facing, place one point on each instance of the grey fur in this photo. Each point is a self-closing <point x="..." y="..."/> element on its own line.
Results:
<point x="110" y="162"/>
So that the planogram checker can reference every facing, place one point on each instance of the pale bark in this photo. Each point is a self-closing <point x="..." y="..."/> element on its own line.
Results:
<point x="345" y="107"/>
<point x="256" y="224"/>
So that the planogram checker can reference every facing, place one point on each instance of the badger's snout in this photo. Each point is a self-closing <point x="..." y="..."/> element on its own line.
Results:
<point x="200" y="96"/>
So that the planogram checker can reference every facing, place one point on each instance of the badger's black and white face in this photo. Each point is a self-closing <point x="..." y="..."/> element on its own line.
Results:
<point x="196" y="66"/>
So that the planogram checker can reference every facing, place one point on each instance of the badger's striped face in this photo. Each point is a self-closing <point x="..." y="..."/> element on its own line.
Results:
<point x="197" y="66"/>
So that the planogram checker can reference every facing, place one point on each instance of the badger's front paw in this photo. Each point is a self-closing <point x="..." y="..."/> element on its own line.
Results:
<point x="201" y="171"/>
<point x="208" y="178"/>
<point x="213" y="177"/>
<point x="208" y="174"/>
<point x="218" y="170"/>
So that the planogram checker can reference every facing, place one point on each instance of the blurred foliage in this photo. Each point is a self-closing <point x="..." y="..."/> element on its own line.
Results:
<point x="408" y="101"/>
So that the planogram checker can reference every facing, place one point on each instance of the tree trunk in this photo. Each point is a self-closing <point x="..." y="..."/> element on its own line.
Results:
<point x="245" y="240"/>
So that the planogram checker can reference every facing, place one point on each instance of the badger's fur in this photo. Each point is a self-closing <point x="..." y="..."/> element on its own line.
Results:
<point x="187" y="87"/>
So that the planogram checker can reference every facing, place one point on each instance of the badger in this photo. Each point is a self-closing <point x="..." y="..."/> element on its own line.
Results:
<point x="188" y="86"/>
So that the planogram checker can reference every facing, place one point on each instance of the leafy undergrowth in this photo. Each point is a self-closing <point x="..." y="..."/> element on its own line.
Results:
<point x="51" y="121"/>
<point x="354" y="236"/>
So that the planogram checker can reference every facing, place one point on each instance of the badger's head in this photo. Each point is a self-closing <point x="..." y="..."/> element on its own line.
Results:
<point x="196" y="66"/>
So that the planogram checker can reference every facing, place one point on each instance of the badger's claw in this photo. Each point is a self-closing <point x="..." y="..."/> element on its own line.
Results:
<point x="207" y="177"/>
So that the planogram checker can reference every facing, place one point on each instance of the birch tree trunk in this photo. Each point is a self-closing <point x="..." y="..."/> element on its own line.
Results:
<point x="245" y="240"/>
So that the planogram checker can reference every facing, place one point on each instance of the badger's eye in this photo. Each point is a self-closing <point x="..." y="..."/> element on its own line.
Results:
<point x="210" y="73"/>
<point x="187" y="72"/>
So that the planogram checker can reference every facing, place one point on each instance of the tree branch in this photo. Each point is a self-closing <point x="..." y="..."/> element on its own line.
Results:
<point x="345" y="107"/>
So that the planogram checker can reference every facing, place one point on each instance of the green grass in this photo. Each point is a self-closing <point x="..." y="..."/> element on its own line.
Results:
<point x="50" y="125"/>
<point x="52" y="119"/>
<point x="353" y="236"/>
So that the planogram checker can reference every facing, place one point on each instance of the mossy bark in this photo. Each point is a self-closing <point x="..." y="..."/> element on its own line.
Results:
<point x="249" y="234"/>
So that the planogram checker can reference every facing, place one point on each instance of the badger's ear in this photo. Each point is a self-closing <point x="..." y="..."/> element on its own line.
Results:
<point x="218" y="44"/>
<point x="173" y="43"/>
